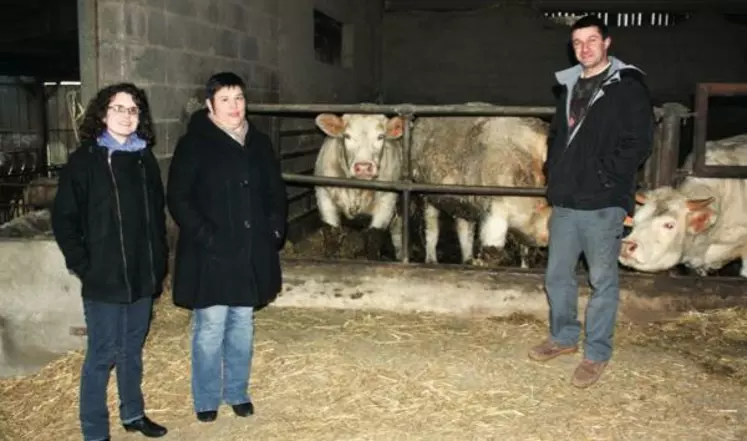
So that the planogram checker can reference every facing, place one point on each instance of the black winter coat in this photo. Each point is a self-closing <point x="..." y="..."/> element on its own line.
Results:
<point x="597" y="167"/>
<point x="230" y="205"/>
<point x="108" y="219"/>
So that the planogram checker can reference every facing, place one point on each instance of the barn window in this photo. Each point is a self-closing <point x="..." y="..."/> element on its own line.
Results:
<point x="327" y="39"/>
<point x="622" y="19"/>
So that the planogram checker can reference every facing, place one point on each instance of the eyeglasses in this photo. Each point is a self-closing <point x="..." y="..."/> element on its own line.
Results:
<point x="133" y="111"/>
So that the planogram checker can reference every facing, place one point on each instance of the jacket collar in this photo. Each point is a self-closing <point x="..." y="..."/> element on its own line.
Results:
<point x="569" y="77"/>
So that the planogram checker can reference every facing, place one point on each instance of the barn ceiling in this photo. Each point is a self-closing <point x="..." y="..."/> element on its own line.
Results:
<point x="39" y="38"/>
<point x="725" y="6"/>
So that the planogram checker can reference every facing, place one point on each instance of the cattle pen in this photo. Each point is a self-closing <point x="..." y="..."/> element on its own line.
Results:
<point x="470" y="289"/>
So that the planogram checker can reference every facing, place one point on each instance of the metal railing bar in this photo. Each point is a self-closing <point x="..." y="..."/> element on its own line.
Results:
<point x="404" y="109"/>
<point x="299" y="132"/>
<point x="300" y="152"/>
<point x="414" y="187"/>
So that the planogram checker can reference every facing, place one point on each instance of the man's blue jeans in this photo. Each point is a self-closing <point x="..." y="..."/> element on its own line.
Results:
<point x="222" y="349"/>
<point x="598" y="235"/>
<point x="116" y="334"/>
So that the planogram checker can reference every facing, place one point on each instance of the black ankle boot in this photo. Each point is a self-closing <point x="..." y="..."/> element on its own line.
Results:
<point x="244" y="409"/>
<point x="147" y="427"/>
<point x="207" y="416"/>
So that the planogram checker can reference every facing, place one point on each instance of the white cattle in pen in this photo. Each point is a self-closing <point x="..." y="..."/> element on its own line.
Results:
<point x="482" y="151"/>
<point x="366" y="147"/>
<point x="702" y="223"/>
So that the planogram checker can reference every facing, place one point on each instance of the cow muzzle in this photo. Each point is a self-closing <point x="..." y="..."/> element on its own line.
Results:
<point x="628" y="249"/>
<point x="364" y="169"/>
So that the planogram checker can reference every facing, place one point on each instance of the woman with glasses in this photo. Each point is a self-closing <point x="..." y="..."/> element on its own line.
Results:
<point x="108" y="219"/>
<point x="227" y="196"/>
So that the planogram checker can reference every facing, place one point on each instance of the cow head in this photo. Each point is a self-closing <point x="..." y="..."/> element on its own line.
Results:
<point x="537" y="228"/>
<point x="663" y="221"/>
<point x="364" y="138"/>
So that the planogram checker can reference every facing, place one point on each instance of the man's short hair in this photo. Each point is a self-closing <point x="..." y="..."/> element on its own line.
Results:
<point x="591" y="20"/>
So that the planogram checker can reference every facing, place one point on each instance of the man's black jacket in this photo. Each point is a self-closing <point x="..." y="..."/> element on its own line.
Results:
<point x="595" y="165"/>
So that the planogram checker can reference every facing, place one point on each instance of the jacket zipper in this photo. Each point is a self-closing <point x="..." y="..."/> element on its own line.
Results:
<point x="147" y="221"/>
<point x="119" y="224"/>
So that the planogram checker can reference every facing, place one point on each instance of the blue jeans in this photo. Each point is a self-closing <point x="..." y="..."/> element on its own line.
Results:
<point x="222" y="349"/>
<point x="598" y="235"/>
<point x="116" y="334"/>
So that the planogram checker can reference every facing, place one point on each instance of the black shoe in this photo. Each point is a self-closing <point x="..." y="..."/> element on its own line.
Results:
<point x="244" y="409"/>
<point x="207" y="416"/>
<point x="147" y="427"/>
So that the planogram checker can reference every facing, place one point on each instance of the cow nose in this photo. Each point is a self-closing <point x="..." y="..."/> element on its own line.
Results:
<point x="363" y="167"/>
<point x="628" y="248"/>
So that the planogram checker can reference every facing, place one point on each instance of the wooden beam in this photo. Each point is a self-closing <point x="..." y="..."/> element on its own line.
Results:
<point x="724" y="6"/>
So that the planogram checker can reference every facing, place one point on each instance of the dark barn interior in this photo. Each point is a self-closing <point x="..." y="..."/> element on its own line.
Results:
<point x="57" y="53"/>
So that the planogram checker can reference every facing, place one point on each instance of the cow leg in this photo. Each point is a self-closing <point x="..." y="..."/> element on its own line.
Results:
<point x="524" y="254"/>
<point x="493" y="237"/>
<point x="332" y="236"/>
<point x="466" y="233"/>
<point x="327" y="209"/>
<point x="431" y="233"/>
<point x="743" y="272"/>
<point x="381" y="220"/>
<point x="395" y="232"/>
<point x="374" y="239"/>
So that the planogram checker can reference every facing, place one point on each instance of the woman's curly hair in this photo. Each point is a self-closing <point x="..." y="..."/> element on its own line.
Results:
<point x="93" y="121"/>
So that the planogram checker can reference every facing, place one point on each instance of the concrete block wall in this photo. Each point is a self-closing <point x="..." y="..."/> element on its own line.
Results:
<point x="171" y="47"/>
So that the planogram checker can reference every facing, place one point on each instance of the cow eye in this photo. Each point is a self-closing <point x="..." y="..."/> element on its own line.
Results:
<point x="381" y="136"/>
<point x="669" y="225"/>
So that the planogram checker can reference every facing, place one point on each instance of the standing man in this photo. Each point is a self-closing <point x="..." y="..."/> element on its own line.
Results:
<point x="601" y="133"/>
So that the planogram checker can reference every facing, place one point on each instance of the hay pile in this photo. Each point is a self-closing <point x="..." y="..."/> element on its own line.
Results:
<point x="715" y="340"/>
<point x="345" y="375"/>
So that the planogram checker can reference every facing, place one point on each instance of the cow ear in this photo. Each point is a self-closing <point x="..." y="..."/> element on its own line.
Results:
<point x="699" y="221"/>
<point x="395" y="127"/>
<point x="698" y="204"/>
<point x="640" y="199"/>
<point x="700" y="216"/>
<point x="330" y="124"/>
<point x="628" y="222"/>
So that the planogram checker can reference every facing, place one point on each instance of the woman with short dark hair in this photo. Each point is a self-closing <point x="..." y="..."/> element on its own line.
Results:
<point x="226" y="194"/>
<point x="108" y="219"/>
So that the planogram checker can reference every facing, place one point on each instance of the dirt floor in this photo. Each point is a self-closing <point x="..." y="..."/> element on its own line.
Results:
<point x="344" y="375"/>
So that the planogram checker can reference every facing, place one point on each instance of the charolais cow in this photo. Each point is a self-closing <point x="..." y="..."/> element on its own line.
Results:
<point x="365" y="147"/>
<point x="702" y="223"/>
<point x="483" y="151"/>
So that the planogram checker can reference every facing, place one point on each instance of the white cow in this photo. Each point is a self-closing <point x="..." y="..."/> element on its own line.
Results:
<point x="482" y="151"/>
<point x="702" y="223"/>
<point x="366" y="147"/>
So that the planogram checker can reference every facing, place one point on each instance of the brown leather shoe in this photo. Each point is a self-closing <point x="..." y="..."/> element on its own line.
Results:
<point x="548" y="350"/>
<point x="587" y="373"/>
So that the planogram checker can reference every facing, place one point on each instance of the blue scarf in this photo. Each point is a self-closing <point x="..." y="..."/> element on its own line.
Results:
<point x="133" y="143"/>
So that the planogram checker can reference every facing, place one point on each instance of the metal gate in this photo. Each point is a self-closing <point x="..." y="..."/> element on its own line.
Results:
<point x="37" y="130"/>
<point x="660" y="168"/>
